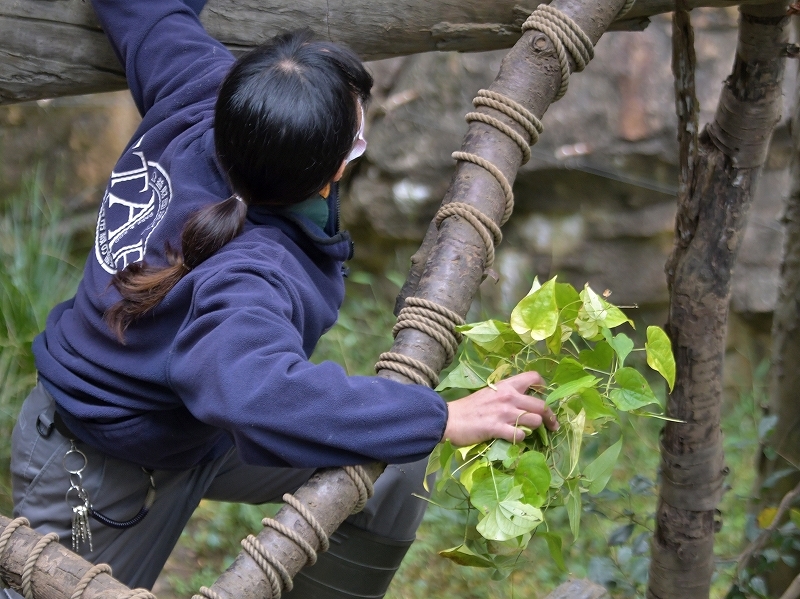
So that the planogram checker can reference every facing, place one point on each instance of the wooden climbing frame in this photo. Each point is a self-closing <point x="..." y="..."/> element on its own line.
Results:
<point x="556" y="39"/>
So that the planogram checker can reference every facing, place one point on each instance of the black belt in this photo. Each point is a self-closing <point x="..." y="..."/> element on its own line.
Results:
<point x="62" y="428"/>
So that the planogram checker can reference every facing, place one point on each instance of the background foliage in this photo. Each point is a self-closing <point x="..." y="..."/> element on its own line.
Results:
<point x="40" y="265"/>
<point x="37" y="270"/>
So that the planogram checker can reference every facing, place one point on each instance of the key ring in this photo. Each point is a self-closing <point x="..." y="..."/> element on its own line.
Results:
<point x="77" y="451"/>
<point x="81" y="495"/>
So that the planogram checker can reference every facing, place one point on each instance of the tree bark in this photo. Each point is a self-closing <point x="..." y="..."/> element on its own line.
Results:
<point x="785" y="375"/>
<point x="712" y="209"/>
<point x="57" y="570"/>
<point x="786" y="319"/>
<point x="56" y="48"/>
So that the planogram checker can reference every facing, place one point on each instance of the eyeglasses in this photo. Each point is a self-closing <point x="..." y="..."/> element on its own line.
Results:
<point x="359" y="143"/>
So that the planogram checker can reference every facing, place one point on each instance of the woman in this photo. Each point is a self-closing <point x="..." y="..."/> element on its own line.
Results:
<point x="180" y="369"/>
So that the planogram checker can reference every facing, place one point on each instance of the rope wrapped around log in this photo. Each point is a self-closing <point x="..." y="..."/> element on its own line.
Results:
<point x="40" y="545"/>
<point x="279" y="578"/>
<point x="435" y="320"/>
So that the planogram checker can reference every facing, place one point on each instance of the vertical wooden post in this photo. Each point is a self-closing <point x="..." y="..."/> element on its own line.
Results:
<point x="785" y="375"/>
<point x="712" y="209"/>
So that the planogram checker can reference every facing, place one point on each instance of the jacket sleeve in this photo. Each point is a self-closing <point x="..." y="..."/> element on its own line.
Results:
<point x="162" y="47"/>
<point x="239" y="365"/>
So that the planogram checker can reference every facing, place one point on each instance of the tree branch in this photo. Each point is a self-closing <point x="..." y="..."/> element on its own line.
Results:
<point x="77" y="59"/>
<point x="758" y="544"/>
<point x="712" y="210"/>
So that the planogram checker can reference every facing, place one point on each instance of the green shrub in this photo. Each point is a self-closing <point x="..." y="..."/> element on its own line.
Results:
<point x="36" y="272"/>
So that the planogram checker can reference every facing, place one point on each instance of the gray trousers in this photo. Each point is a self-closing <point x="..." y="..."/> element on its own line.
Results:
<point x="118" y="489"/>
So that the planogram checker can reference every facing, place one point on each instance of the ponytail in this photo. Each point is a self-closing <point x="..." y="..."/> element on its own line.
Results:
<point x="143" y="287"/>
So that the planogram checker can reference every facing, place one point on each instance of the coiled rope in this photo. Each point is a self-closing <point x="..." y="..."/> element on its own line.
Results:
<point x="98" y="569"/>
<point x="524" y="117"/>
<point x="417" y="370"/>
<point x="30" y="565"/>
<point x="137" y="594"/>
<point x="9" y="530"/>
<point x="566" y="36"/>
<point x="278" y="576"/>
<point x="626" y="8"/>
<point x="435" y="320"/>
<point x="88" y="577"/>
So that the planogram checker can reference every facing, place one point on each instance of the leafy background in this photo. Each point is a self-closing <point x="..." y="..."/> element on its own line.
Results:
<point x="41" y="264"/>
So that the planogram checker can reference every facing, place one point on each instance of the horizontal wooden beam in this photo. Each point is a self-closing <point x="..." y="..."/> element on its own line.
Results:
<point x="56" y="572"/>
<point x="56" y="48"/>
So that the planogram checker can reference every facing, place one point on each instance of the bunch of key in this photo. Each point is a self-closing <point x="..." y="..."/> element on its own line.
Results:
<point x="81" y="533"/>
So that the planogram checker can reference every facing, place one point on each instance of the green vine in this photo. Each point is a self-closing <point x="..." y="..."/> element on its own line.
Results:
<point x="506" y="490"/>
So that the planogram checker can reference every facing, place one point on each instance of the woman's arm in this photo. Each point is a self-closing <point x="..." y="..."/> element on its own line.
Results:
<point x="240" y="366"/>
<point x="162" y="46"/>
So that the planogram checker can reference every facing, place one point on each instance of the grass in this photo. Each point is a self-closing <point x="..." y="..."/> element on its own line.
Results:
<point x="36" y="271"/>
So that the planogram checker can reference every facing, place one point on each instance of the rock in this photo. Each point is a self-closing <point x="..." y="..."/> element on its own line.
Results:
<point x="71" y="143"/>
<point x="596" y="202"/>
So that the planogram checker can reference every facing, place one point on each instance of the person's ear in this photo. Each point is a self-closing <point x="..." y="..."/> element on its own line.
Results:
<point x="340" y="172"/>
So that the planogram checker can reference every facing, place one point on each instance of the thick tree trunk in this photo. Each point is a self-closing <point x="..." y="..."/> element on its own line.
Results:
<point x="785" y="387"/>
<point x="56" y="48"/>
<point x="712" y="209"/>
<point x="786" y="320"/>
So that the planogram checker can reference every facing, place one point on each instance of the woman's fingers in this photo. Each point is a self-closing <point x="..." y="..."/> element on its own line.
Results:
<point x="550" y="421"/>
<point x="499" y="412"/>
<point x="524" y="381"/>
<point x="521" y="383"/>
<point x="535" y="405"/>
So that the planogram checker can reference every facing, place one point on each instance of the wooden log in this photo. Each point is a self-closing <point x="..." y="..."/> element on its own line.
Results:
<point x="57" y="571"/>
<point x="56" y="47"/>
<point x="720" y="171"/>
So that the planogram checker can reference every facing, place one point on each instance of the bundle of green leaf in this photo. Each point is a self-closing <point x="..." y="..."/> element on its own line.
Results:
<point x="507" y="489"/>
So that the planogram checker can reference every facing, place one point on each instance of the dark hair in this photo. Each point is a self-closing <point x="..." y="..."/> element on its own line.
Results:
<point x="285" y="120"/>
<point x="286" y="117"/>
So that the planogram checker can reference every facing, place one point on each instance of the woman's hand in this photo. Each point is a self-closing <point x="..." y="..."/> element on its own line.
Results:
<point x="498" y="413"/>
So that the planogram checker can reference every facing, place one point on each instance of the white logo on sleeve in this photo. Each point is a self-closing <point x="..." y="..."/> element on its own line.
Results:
<point x="134" y="204"/>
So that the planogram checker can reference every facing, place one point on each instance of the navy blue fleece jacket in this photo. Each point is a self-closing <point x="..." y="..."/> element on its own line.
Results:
<point x="224" y="359"/>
